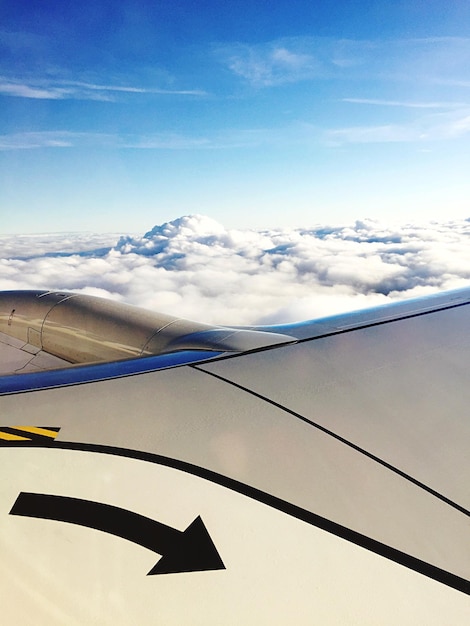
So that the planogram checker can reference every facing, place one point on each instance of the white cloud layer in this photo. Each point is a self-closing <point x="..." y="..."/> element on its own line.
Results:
<point x="193" y="267"/>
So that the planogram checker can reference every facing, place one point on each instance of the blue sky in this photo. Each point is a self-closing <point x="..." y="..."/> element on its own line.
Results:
<point x="115" y="116"/>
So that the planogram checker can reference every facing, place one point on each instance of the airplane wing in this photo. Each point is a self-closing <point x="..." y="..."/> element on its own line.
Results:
<point x="160" y="471"/>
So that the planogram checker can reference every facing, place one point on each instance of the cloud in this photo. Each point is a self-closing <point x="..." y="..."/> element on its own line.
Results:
<point x="54" y="139"/>
<point x="88" y="88"/>
<point x="430" y="61"/>
<point x="26" y="91"/>
<point x="70" y="139"/>
<point x="195" y="268"/>
<point x="273" y="63"/>
<point x="44" y="139"/>
<point x="291" y="59"/>
<point x="227" y="138"/>
<point x="440" y="126"/>
<point x="49" y="89"/>
<point x="410" y="105"/>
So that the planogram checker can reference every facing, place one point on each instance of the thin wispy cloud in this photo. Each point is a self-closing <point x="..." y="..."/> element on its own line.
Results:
<point x="55" y="139"/>
<point x="444" y="126"/>
<point x="295" y="59"/>
<point x="69" y="139"/>
<point x="217" y="140"/>
<point x="453" y="83"/>
<point x="271" y="64"/>
<point x="166" y="141"/>
<point x="29" y="141"/>
<point x="404" y="104"/>
<point x="194" y="267"/>
<point x="42" y="89"/>
<point x="20" y="90"/>
<point x="137" y="90"/>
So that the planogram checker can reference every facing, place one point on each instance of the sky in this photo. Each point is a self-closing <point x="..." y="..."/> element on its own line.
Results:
<point x="119" y="116"/>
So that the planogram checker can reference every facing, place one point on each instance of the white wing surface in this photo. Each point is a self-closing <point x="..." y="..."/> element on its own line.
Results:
<point x="174" y="473"/>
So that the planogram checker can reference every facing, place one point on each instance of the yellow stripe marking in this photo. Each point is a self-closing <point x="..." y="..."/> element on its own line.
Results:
<point x="9" y="437"/>
<point x="35" y="430"/>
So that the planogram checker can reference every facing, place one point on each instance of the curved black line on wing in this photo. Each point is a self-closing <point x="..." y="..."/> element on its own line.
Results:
<point x="422" y="567"/>
<point x="346" y="442"/>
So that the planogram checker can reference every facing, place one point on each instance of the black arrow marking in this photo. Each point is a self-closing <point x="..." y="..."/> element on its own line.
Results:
<point x="191" y="550"/>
